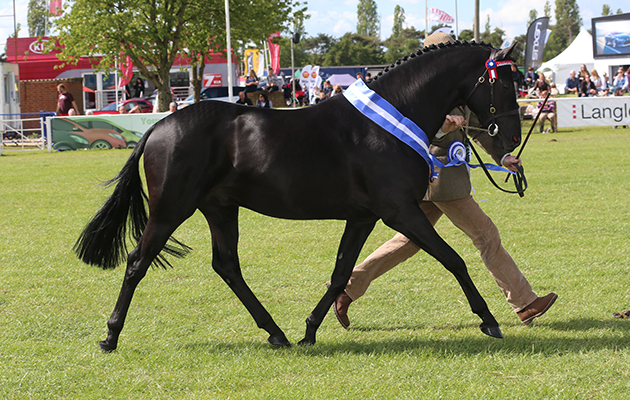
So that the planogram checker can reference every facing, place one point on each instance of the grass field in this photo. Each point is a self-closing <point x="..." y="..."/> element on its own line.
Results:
<point x="412" y="335"/>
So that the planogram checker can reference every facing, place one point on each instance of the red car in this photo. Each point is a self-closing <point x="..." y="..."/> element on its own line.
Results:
<point x="112" y="108"/>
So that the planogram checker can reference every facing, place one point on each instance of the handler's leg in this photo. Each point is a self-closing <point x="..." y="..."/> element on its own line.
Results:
<point x="470" y="218"/>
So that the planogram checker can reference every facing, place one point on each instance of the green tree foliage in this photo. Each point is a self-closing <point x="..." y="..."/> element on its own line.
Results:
<point x="355" y="49"/>
<point x="606" y="10"/>
<point x="407" y="42"/>
<point x="399" y="20"/>
<point x="318" y="47"/>
<point x="368" y="22"/>
<point x="494" y="37"/>
<point x="466" y="34"/>
<point x="36" y="17"/>
<point x="533" y="16"/>
<point x="547" y="9"/>
<point x="153" y="32"/>
<point x="568" y="21"/>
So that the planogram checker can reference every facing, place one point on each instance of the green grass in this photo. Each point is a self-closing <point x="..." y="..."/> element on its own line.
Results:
<point x="412" y="335"/>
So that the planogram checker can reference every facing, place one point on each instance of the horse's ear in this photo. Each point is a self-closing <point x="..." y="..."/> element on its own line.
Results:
<point x="505" y="53"/>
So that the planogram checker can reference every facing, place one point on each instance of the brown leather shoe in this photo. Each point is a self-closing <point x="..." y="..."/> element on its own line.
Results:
<point x="537" y="308"/>
<point x="340" y="306"/>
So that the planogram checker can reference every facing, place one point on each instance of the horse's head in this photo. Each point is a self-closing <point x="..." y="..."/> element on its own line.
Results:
<point x="493" y="99"/>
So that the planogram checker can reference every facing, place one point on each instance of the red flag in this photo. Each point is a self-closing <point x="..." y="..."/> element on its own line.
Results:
<point x="56" y="8"/>
<point x="127" y="72"/>
<point x="440" y="16"/>
<point x="274" y="50"/>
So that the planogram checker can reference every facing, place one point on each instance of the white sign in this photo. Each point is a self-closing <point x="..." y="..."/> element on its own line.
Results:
<point x="212" y="80"/>
<point x="593" y="111"/>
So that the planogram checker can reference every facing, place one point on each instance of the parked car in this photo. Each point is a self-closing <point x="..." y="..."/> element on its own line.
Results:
<point x="617" y="39"/>
<point x="70" y="135"/>
<point x="112" y="108"/>
<point x="212" y="93"/>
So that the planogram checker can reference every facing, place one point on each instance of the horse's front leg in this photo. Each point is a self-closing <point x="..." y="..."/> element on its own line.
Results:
<point x="353" y="239"/>
<point x="412" y="223"/>
<point x="223" y="223"/>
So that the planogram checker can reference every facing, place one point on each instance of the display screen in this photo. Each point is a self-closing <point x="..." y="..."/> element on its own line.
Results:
<point x="611" y="36"/>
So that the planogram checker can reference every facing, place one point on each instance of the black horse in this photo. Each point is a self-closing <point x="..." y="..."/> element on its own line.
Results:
<point x="324" y="162"/>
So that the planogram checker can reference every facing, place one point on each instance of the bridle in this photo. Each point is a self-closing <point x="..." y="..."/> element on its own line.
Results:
<point x="520" y="182"/>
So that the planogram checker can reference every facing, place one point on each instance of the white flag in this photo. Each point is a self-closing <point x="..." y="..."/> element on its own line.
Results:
<point x="440" y="16"/>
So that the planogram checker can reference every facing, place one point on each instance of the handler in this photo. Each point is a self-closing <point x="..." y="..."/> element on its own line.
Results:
<point x="450" y="195"/>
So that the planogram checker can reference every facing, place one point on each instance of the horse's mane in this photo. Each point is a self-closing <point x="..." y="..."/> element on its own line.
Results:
<point x="427" y="49"/>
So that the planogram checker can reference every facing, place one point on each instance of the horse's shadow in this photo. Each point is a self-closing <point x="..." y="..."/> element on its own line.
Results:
<point x="576" y="339"/>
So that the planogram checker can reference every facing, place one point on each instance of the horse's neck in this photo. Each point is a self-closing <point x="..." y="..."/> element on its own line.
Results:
<point x="427" y="87"/>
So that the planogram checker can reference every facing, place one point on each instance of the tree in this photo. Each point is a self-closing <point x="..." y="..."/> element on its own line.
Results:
<point x="568" y="21"/>
<point x="547" y="9"/>
<point x="368" y="22"/>
<point x="36" y="17"/>
<point x="407" y="42"/>
<point x="399" y="20"/>
<point x="151" y="33"/>
<point x="317" y="47"/>
<point x="606" y="10"/>
<point x="533" y="16"/>
<point x="355" y="49"/>
<point x="494" y="37"/>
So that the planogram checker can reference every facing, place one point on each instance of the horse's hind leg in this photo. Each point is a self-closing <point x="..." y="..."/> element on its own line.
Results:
<point x="415" y="225"/>
<point x="353" y="239"/>
<point x="153" y="240"/>
<point x="224" y="227"/>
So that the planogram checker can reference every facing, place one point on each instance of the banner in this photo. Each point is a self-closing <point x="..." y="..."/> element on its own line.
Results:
<point x="305" y="79"/>
<point x="56" y="8"/>
<point x="127" y="72"/>
<point x="593" y="111"/>
<point x="274" y="51"/>
<point x="535" y="45"/>
<point x="440" y="16"/>
<point x="253" y="60"/>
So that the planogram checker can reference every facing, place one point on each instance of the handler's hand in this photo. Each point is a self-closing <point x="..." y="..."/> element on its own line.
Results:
<point x="510" y="162"/>
<point x="453" y="122"/>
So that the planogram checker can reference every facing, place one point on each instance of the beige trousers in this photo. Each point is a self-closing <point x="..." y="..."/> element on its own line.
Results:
<point x="470" y="218"/>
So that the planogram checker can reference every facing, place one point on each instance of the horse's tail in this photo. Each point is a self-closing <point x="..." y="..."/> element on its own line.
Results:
<point x="103" y="242"/>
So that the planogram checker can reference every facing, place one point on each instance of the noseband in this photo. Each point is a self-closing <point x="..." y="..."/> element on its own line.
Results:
<point x="491" y="66"/>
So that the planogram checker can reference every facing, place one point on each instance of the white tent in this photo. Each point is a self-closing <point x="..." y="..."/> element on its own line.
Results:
<point x="579" y="52"/>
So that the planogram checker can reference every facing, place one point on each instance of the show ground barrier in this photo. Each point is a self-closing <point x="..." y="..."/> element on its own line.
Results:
<point x="575" y="112"/>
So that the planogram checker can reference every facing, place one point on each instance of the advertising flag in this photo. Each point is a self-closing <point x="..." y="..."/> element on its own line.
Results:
<point x="127" y="72"/>
<point x="274" y="51"/>
<point x="536" y="40"/>
<point x="440" y="16"/>
<point x="56" y="8"/>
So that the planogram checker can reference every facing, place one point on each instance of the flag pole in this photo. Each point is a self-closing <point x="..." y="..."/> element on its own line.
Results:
<point x="426" y="19"/>
<point x="229" y="50"/>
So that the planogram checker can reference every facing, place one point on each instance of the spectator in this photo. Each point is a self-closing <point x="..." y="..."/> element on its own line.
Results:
<point x="244" y="100"/>
<point x="65" y="101"/>
<point x="620" y="83"/>
<point x="263" y="101"/>
<point x="322" y="97"/>
<point x="136" y="110"/>
<point x="122" y="109"/>
<point x="530" y="77"/>
<point x="587" y="87"/>
<point x="71" y="112"/>
<point x="89" y="112"/>
<point x="600" y="84"/>
<point x="138" y="88"/>
<point x="337" y="90"/>
<point x="554" y="90"/>
<point x="328" y="88"/>
<point x="572" y="84"/>
<point x="251" y="83"/>
<point x="548" y="112"/>
<point x="540" y="85"/>
<point x="272" y="81"/>
<point x="518" y="78"/>
<point x="360" y="76"/>
<point x="583" y="72"/>
<point x="172" y="107"/>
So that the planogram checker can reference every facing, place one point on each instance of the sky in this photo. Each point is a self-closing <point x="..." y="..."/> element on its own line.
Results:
<point x="336" y="17"/>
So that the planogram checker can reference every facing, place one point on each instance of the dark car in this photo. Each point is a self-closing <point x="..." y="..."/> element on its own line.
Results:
<point x="70" y="135"/>
<point x="112" y="108"/>
<point x="213" y="93"/>
<point x="617" y="39"/>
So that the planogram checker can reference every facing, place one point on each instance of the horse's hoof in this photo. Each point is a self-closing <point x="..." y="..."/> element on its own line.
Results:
<point x="279" y="340"/>
<point x="493" y="331"/>
<point x="305" y="342"/>
<point x="106" y="347"/>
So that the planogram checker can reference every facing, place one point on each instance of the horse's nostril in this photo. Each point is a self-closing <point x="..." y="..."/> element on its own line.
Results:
<point x="516" y="139"/>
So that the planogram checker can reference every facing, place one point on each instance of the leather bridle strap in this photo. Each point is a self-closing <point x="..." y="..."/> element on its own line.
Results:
<point x="520" y="182"/>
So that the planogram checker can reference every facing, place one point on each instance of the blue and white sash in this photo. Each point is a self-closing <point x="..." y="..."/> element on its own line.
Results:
<point x="378" y="110"/>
